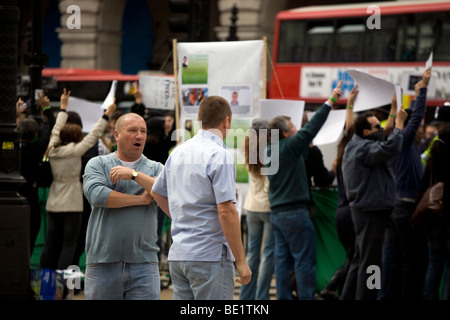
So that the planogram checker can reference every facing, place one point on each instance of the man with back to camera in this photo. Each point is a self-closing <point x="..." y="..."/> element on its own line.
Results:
<point x="196" y="189"/>
<point x="289" y="197"/>
<point x="370" y="189"/>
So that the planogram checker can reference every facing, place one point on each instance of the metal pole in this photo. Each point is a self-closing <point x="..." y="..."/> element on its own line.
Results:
<point x="36" y="60"/>
<point x="14" y="211"/>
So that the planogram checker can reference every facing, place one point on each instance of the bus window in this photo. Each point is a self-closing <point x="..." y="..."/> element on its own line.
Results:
<point x="292" y="35"/>
<point x="441" y="50"/>
<point x="425" y="39"/>
<point x="407" y="38"/>
<point x="349" y="41"/>
<point x="319" y="41"/>
<point x="379" y="44"/>
<point x="434" y="32"/>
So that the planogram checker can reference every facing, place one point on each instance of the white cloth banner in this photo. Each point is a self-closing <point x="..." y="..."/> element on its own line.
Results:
<point x="214" y="68"/>
<point x="373" y="92"/>
<point x="158" y="91"/>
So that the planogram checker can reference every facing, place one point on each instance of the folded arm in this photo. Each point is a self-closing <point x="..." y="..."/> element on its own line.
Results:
<point x="122" y="200"/>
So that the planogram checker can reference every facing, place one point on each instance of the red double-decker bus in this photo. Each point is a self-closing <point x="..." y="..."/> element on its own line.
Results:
<point x="314" y="46"/>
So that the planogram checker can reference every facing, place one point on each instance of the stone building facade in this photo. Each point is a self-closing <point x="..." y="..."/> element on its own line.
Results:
<point x="97" y="44"/>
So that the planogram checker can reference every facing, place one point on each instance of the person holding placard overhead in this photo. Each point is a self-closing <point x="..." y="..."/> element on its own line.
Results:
<point x="404" y="249"/>
<point x="343" y="218"/>
<point x="65" y="199"/>
<point x="289" y="197"/>
<point x="370" y="189"/>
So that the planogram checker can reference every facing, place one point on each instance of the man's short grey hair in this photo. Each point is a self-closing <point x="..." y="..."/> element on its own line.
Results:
<point x="280" y="123"/>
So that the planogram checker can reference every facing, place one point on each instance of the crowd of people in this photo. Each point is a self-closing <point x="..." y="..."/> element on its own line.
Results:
<point x="113" y="187"/>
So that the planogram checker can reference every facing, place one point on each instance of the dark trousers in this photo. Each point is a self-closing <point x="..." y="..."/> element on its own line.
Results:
<point x="438" y="234"/>
<point x="404" y="256"/>
<point x="61" y="240"/>
<point x="370" y="227"/>
<point x="346" y="234"/>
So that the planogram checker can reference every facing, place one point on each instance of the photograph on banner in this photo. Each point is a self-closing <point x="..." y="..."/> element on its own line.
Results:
<point x="191" y="98"/>
<point x="239" y="97"/>
<point x="194" y="69"/>
<point x="234" y="142"/>
<point x="158" y="92"/>
<point x="270" y="108"/>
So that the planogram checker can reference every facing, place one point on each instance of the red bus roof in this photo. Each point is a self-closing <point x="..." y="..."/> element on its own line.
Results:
<point x="360" y="9"/>
<point x="74" y="74"/>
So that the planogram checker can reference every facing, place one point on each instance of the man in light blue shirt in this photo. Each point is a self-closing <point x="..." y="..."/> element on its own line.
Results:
<point x="196" y="189"/>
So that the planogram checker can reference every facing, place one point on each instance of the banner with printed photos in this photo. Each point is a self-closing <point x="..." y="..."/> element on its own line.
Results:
<point x="232" y="70"/>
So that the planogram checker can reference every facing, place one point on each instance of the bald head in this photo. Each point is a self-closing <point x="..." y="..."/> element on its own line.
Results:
<point x="130" y="134"/>
<point x="126" y="118"/>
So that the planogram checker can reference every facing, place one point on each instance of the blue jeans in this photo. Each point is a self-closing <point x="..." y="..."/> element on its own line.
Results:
<point x="295" y="249"/>
<point x="258" y="226"/>
<point x="404" y="256"/>
<point x="203" y="280"/>
<point x="122" y="281"/>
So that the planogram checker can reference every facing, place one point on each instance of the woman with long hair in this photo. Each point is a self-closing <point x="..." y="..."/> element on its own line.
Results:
<point x="65" y="199"/>
<point x="258" y="217"/>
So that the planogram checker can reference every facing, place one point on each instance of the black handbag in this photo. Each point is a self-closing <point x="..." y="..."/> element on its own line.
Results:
<point x="45" y="175"/>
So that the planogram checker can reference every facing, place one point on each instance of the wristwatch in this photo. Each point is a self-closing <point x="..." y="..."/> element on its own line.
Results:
<point x="134" y="174"/>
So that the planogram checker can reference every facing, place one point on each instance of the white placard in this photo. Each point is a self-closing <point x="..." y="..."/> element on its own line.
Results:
<point x="429" y="62"/>
<point x="399" y="96"/>
<point x="270" y="108"/>
<point x="89" y="111"/>
<point x="332" y="128"/>
<point x="373" y="92"/>
<point x="158" y="91"/>
<point x="111" y="95"/>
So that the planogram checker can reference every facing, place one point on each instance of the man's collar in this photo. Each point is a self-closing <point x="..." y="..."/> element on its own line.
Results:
<point x="212" y="136"/>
